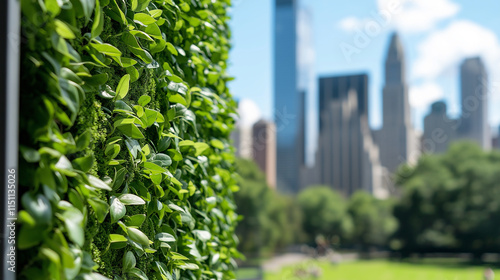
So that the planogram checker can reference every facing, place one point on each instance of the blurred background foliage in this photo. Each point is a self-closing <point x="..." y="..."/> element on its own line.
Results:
<point x="445" y="203"/>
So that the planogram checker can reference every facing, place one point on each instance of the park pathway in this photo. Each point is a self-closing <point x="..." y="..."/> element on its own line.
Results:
<point x="276" y="263"/>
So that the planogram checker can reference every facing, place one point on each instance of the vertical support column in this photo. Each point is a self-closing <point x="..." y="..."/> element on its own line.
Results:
<point x="9" y="130"/>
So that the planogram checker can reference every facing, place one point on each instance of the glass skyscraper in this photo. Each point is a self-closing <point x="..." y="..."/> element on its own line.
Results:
<point x="286" y="95"/>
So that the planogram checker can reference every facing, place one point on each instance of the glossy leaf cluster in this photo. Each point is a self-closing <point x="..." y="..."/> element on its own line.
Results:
<point x="126" y="166"/>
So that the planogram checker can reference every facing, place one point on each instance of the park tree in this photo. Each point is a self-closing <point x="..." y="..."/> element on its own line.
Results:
<point x="270" y="220"/>
<point x="372" y="220"/>
<point x="449" y="201"/>
<point x="324" y="212"/>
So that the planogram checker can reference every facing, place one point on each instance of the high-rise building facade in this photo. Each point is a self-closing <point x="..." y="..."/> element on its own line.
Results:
<point x="264" y="149"/>
<point x="347" y="158"/>
<point x="397" y="139"/>
<point x="474" y="96"/>
<point x="439" y="130"/>
<point x="291" y="86"/>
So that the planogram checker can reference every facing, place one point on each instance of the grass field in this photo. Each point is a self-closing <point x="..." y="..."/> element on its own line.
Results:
<point x="387" y="270"/>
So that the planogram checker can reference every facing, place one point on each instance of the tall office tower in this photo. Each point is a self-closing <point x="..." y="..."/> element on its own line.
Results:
<point x="347" y="157"/>
<point x="264" y="149"/>
<point x="289" y="88"/>
<point x="439" y="130"/>
<point x="397" y="140"/>
<point x="474" y="93"/>
<point x="337" y="88"/>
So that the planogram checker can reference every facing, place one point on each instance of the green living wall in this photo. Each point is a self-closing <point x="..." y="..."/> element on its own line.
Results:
<point x="126" y="169"/>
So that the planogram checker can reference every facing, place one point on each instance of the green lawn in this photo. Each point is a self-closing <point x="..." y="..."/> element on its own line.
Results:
<point x="387" y="270"/>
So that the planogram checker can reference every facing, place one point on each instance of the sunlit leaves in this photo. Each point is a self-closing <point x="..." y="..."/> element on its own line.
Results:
<point x="130" y="78"/>
<point x="98" y="23"/>
<point x="123" y="87"/>
<point x="117" y="209"/>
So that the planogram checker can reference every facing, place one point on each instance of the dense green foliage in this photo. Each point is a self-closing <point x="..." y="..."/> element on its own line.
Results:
<point x="361" y="221"/>
<point x="325" y="212"/>
<point x="451" y="202"/>
<point x="126" y="168"/>
<point x="270" y="220"/>
<point x="372" y="221"/>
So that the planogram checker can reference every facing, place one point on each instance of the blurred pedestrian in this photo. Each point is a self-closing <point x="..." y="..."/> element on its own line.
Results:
<point x="489" y="274"/>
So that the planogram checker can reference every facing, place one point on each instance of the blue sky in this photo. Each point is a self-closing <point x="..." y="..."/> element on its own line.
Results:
<point x="436" y="34"/>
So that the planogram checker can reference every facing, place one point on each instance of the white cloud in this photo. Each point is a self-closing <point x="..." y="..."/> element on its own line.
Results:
<point x="350" y="24"/>
<point x="418" y="15"/>
<point x="249" y="112"/>
<point x="405" y="15"/>
<point x="423" y="95"/>
<point x="445" y="49"/>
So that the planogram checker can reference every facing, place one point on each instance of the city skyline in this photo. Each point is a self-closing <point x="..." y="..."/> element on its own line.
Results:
<point x="444" y="85"/>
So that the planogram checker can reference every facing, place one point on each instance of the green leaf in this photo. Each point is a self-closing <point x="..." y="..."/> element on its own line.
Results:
<point x="165" y="237"/>
<point x="177" y="256"/>
<point x="64" y="30"/>
<point x="73" y="220"/>
<point x="98" y="183"/>
<point x="138" y="273"/>
<point x="172" y="49"/>
<point x="117" y="238"/>
<point x="162" y="160"/>
<point x="137" y="236"/>
<point x="217" y="144"/>
<point x="100" y="207"/>
<point x="189" y="266"/>
<point x="154" y="31"/>
<point x="202" y="235"/>
<point x="98" y="23"/>
<point x="128" y="261"/>
<point x="177" y="98"/>
<point x="38" y="207"/>
<point x="141" y="35"/>
<point x="200" y="148"/>
<point x="107" y="49"/>
<point x="29" y="154"/>
<point x="96" y="80"/>
<point x="130" y="130"/>
<point x="135" y="220"/>
<point x="155" y="13"/>
<point x="83" y="141"/>
<point x="88" y="7"/>
<point x="153" y="168"/>
<point x="131" y="199"/>
<point x="112" y="150"/>
<point x="143" y="18"/>
<point x="133" y="147"/>
<point x="185" y="7"/>
<point x="123" y="86"/>
<point x="144" y="100"/>
<point x="150" y="117"/>
<point x="117" y="210"/>
<point x="175" y="155"/>
<point x="84" y="163"/>
<point x="64" y="166"/>
<point x="139" y="5"/>
<point x="29" y="236"/>
<point x="53" y="7"/>
<point x="120" y="105"/>
<point x="119" y="178"/>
